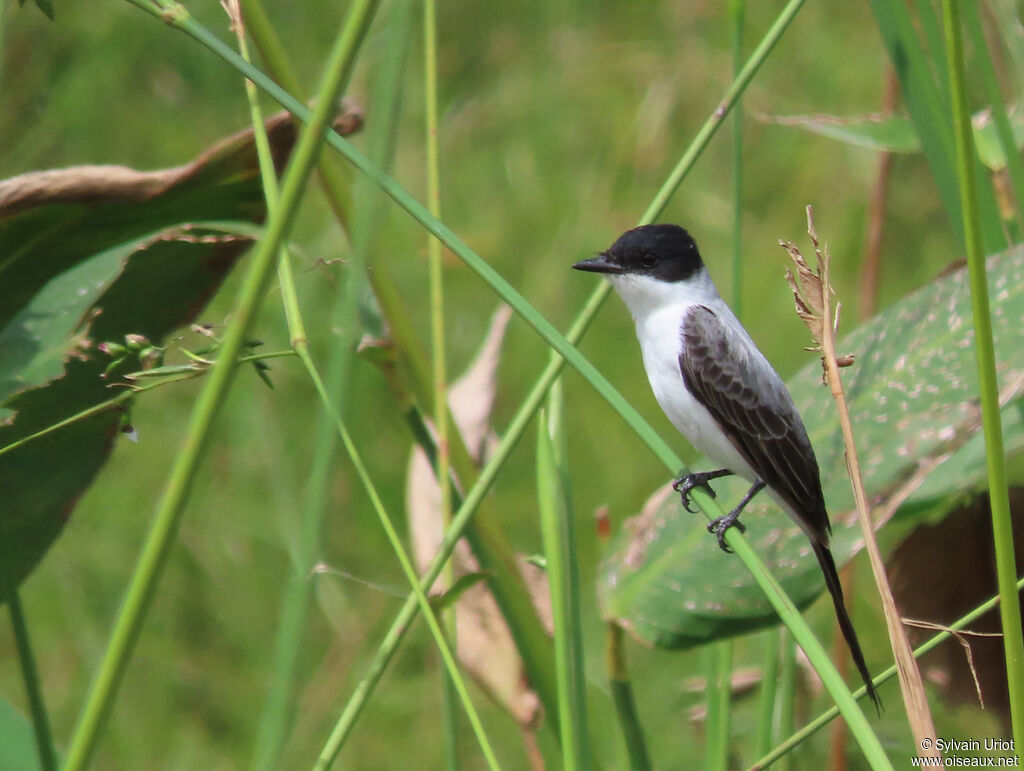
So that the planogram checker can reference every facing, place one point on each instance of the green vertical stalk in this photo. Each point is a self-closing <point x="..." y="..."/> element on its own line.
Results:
<point x="737" y="14"/>
<point x="794" y="740"/>
<point x="26" y="659"/>
<point x="769" y="688"/>
<point x="297" y="334"/>
<point x="171" y="505"/>
<point x="1014" y="166"/>
<point x="440" y="376"/>
<point x="718" y="694"/>
<point x="785" y="705"/>
<point x="333" y="175"/>
<point x="738" y="86"/>
<point x="933" y="42"/>
<point x="564" y="582"/>
<point x="773" y="591"/>
<point x="330" y="752"/>
<point x="622" y="698"/>
<point x="276" y="714"/>
<point x="1002" y="528"/>
<point x="483" y="534"/>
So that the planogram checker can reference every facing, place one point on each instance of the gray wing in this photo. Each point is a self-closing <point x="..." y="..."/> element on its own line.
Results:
<point x="756" y="412"/>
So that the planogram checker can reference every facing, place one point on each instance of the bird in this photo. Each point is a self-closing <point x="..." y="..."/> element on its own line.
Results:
<point x="719" y="391"/>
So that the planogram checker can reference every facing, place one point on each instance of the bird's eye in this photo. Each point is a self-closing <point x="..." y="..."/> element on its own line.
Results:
<point x="648" y="260"/>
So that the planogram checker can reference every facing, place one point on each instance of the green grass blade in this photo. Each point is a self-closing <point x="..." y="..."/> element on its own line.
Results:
<point x="785" y="705"/>
<point x="483" y="532"/>
<point x="931" y="121"/>
<point x="172" y="503"/>
<point x="622" y="698"/>
<point x="297" y="333"/>
<point x="769" y="688"/>
<point x="331" y="751"/>
<point x="787" y="611"/>
<point x="276" y="715"/>
<point x="999" y="501"/>
<point x="449" y="722"/>
<point x="718" y="696"/>
<point x="1014" y="166"/>
<point x="559" y="540"/>
<point x="27" y="662"/>
<point x="936" y="49"/>
<point x="796" y="739"/>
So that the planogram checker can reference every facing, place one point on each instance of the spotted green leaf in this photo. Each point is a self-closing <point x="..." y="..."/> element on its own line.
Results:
<point x="912" y="395"/>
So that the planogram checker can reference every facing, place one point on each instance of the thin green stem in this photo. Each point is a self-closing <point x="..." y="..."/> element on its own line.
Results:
<point x="783" y="605"/>
<point x="732" y="95"/>
<point x="171" y="506"/>
<point x="333" y="175"/>
<point x="187" y="373"/>
<point x="826" y="717"/>
<point x="26" y="659"/>
<point x="330" y="753"/>
<point x="622" y="698"/>
<point x="484" y="535"/>
<point x="437" y="335"/>
<point x="718" y="695"/>
<point x="276" y="713"/>
<point x="769" y="688"/>
<point x="785" y="713"/>
<point x="563" y="579"/>
<point x="999" y="500"/>
<point x="1014" y="166"/>
<point x="298" y="337"/>
<point x="737" y="13"/>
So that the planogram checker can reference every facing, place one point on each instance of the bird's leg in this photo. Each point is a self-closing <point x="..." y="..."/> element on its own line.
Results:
<point x="721" y="524"/>
<point x="686" y="482"/>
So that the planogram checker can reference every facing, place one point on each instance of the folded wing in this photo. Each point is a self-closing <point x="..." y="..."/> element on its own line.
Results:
<point x="748" y="399"/>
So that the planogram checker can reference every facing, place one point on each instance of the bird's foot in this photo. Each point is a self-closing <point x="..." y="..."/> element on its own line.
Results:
<point x="685" y="484"/>
<point x="721" y="524"/>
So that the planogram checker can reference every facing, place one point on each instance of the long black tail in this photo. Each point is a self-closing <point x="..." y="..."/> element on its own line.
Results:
<point x="828" y="567"/>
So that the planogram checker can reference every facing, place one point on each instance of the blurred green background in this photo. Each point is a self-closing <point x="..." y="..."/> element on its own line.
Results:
<point x="559" y="120"/>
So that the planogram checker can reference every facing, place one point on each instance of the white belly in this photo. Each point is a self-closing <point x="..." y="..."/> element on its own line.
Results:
<point x="691" y="419"/>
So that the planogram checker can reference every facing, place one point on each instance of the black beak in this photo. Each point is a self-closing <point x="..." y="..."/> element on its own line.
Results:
<point x="600" y="264"/>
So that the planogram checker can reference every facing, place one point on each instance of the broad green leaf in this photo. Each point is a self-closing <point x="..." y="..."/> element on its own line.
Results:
<point x="43" y="478"/>
<point x="892" y="134"/>
<point x="43" y="5"/>
<point x="912" y="400"/>
<point x="925" y="102"/>
<point x="89" y="256"/>
<point x="986" y="138"/>
<point x="896" y="134"/>
<point x="18" y="750"/>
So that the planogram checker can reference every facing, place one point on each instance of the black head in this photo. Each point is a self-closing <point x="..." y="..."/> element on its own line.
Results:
<point x="664" y="252"/>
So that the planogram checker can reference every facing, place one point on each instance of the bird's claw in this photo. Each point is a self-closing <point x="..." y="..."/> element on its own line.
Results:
<point x="721" y="524"/>
<point x="685" y="484"/>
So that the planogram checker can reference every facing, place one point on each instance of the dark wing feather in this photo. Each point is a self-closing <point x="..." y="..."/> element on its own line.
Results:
<point x="755" y="410"/>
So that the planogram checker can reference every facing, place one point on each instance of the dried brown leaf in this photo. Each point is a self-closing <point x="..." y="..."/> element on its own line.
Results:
<point x="485" y="644"/>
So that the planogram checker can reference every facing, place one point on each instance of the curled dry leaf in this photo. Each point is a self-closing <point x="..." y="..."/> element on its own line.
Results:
<point x="485" y="644"/>
<point x="82" y="184"/>
<point x="83" y="250"/>
<point x="806" y="286"/>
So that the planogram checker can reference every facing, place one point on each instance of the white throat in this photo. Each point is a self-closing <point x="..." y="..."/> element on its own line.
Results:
<point x="646" y="296"/>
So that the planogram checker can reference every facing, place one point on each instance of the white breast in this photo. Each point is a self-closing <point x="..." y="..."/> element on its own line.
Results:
<point x="658" y="310"/>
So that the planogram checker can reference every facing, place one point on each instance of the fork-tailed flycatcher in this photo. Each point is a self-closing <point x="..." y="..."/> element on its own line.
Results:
<point x="720" y="391"/>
